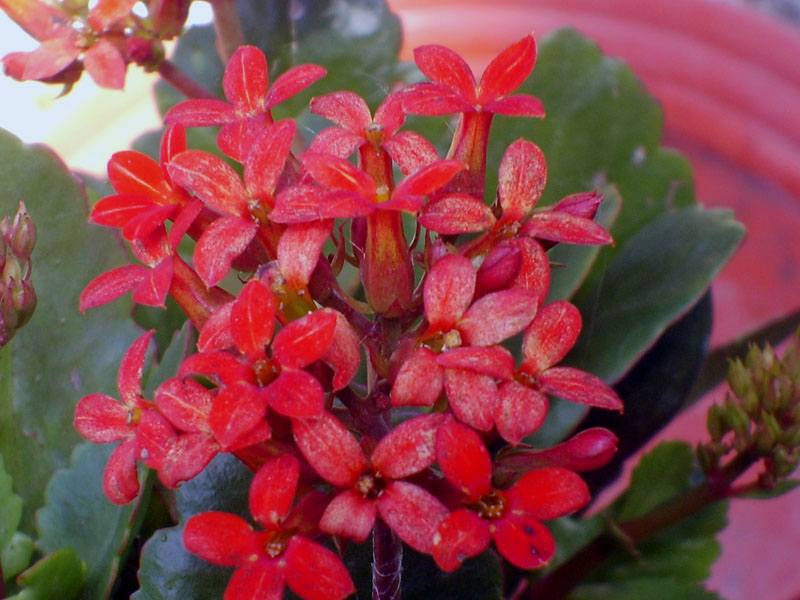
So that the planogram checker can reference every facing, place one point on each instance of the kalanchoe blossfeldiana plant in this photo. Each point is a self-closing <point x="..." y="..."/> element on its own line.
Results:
<point x="17" y="296"/>
<point x="273" y="380"/>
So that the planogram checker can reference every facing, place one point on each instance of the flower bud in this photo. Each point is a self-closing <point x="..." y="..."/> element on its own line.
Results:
<point x="739" y="378"/>
<point x="715" y="423"/>
<point x="19" y="233"/>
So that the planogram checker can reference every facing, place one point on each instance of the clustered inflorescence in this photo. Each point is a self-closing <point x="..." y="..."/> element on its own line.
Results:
<point x="414" y="446"/>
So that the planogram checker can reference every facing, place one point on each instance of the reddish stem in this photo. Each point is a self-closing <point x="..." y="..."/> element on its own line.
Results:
<point x="187" y="86"/>
<point x="228" y="27"/>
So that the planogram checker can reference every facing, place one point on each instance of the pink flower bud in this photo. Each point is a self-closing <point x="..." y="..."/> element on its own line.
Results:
<point x="19" y="233"/>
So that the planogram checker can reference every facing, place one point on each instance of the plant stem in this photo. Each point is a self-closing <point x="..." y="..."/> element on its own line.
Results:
<point x="228" y="27"/>
<point x="182" y="82"/>
<point x="562" y="580"/>
<point x="387" y="559"/>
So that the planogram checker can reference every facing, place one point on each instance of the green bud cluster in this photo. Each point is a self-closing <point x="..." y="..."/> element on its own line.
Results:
<point x="17" y="297"/>
<point x="760" y="413"/>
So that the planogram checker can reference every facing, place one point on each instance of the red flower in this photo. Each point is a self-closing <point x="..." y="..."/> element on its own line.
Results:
<point x="281" y="555"/>
<point x="357" y="128"/>
<point x="102" y="419"/>
<point x="247" y="111"/>
<point x="454" y="88"/>
<point x="512" y="517"/>
<point x="460" y="353"/>
<point x="374" y="486"/>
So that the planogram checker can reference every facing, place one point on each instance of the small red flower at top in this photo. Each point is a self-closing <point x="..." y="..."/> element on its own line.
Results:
<point x="280" y="555"/>
<point x="512" y="517"/>
<point x="454" y="89"/>
<point x="250" y="101"/>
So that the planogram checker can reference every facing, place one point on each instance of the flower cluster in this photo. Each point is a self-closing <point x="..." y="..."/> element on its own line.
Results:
<point x="430" y="443"/>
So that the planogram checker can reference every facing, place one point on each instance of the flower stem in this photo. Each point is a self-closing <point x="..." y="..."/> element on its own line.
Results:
<point x="187" y="86"/>
<point x="387" y="559"/>
<point x="228" y="27"/>
<point x="562" y="580"/>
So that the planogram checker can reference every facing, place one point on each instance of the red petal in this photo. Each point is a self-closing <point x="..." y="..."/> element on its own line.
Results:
<point x="419" y="381"/>
<point x="260" y="579"/>
<point x="338" y="174"/>
<point x="236" y="410"/>
<point x="185" y="403"/>
<point x="173" y="142"/>
<point x="410" y="204"/>
<point x="410" y="151"/>
<point x="497" y="317"/>
<point x="101" y="419"/>
<point x="272" y="490"/>
<point x="499" y="268"/>
<point x="142" y="226"/>
<point x="219" y="364"/>
<point x="524" y="541"/>
<point x="305" y="340"/>
<point x="221" y="242"/>
<point x="135" y="173"/>
<point x="245" y="79"/>
<point x="457" y="213"/>
<point x="428" y="178"/>
<point x="120" y="479"/>
<point x="216" y="331"/>
<point x="129" y="376"/>
<point x="51" y="57"/>
<point x="464" y="460"/>
<point x="345" y="205"/>
<point x="520" y="411"/>
<point x="316" y="573"/>
<point x="117" y="210"/>
<point x="155" y="436"/>
<point x="534" y="270"/>
<point x="548" y="494"/>
<point x="550" y="336"/>
<point x="390" y="114"/>
<point x="446" y="68"/>
<point x="579" y="386"/>
<point x="236" y="138"/>
<point x="107" y="12"/>
<point x="461" y="535"/>
<point x="296" y="394"/>
<point x="408" y="448"/>
<point x="298" y="204"/>
<point x="521" y="179"/>
<point x="434" y="100"/>
<point x="330" y="449"/>
<point x="266" y="158"/>
<point x="200" y="113"/>
<point x="344" y="353"/>
<point x="186" y="216"/>
<point x="508" y="70"/>
<point x="186" y="457"/>
<point x="344" y="108"/>
<point x="105" y="65"/>
<point x="492" y="360"/>
<point x="520" y="105"/>
<point x="299" y="251"/>
<point x="293" y="81"/>
<point x="111" y="285"/>
<point x="219" y="538"/>
<point x="412" y="513"/>
<point x="153" y="290"/>
<point x="472" y="397"/>
<point x="583" y="204"/>
<point x="448" y="291"/>
<point x="211" y="179"/>
<point x="252" y="319"/>
<point x="349" y="515"/>
<point x="560" y="226"/>
<point x="337" y="141"/>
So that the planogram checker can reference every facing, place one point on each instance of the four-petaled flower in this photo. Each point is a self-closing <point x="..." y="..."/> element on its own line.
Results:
<point x="280" y="555"/>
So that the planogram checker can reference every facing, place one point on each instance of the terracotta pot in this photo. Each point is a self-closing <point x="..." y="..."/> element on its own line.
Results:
<point x="729" y="82"/>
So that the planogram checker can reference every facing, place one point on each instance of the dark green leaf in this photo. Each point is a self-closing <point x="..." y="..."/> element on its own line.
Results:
<point x="10" y="507"/>
<point x="654" y="390"/>
<point x="661" y="475"/>
<point x="658" y="276"/>
<point x="16" y="556"/>
<point x="782" y="487"/>
<point x="78" y="515"/>
<point x="60" y="354"/>
<point x="663" y="588"/>
<point x="58" y="575"/>
<point x="167" y="570"/>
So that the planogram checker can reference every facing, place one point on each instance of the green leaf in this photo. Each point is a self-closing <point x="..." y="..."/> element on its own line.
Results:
<point x="60" y="354"/>
<point x="16" y="556"/>
<point x="10" y="507"/>
<point x="78" y="515"/>
<point x="57" y="575"/>
<point x="658" y="276"/>
<point x="781" y="488"/>
<point x="167" y="570"/>
<point x="661" y="475"/>
<point x="663" y="588"/>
